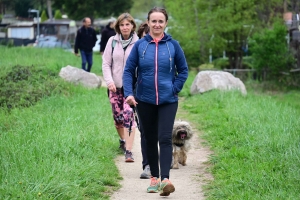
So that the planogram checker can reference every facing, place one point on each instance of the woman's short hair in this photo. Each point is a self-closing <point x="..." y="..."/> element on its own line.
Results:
<point x="123" y="16"/>
<point x="158" y="9"/>
<point x="142" y="28"/>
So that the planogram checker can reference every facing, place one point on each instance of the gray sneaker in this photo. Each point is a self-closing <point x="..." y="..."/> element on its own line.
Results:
<point x="128" y="156"/>
<point x="146" y="173"/>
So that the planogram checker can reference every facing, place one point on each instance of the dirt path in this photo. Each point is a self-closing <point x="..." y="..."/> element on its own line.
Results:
<point x="188" y="180"/>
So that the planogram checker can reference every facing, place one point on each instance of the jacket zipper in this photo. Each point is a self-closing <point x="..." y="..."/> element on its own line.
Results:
<point x="156" y="72"/>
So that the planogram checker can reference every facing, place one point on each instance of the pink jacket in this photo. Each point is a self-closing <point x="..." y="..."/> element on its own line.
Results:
<point x="113" y="71"/>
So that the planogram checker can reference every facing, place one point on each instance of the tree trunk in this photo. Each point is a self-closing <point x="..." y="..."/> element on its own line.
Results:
<point x="201" y="39"/>
<point x="49" y="8"/>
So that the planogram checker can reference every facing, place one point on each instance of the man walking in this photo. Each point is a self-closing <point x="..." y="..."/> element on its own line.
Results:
<point x="85" y="41"/>
<point x="107" y="32"/>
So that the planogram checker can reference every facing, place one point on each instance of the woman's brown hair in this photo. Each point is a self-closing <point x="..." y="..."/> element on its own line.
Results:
<point x="158" y="9"/>
<point x="143" y="28"/>
<point x="121" y="18"/>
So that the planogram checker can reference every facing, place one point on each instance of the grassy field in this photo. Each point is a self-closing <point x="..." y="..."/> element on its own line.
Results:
<point x="42" y="57"/>
<point x="255" y="140"/>
<point x="63" y="146"/>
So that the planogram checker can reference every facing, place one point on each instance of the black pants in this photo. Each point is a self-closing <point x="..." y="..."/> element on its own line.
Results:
<point x="157" y="124"/>
<point x="143" y="145"/>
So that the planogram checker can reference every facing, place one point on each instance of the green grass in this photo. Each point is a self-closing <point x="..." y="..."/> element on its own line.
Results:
<point x="64" y="146"/>
<point x="43" y="57"/>
<point x="255" y="140"/>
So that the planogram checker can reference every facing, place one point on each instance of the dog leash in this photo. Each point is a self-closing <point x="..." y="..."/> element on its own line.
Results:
<point x="136" y="119"/>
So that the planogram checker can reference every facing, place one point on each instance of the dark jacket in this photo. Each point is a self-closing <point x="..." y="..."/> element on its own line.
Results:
<point x="105" y="35"/>
<point x="158" y="80"/>
<point x="85" y="39"/>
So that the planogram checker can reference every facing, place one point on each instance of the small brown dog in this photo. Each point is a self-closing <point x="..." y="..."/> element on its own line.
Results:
<point x="181" y="134"/>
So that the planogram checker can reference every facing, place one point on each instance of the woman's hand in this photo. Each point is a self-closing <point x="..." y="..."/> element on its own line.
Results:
<point x="131" y="101"/>
<point x="112" y="87"/>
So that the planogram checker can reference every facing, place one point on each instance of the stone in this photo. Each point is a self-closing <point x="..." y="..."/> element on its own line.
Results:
<point x="79" y="76"/>
<point x="209" y="80"/>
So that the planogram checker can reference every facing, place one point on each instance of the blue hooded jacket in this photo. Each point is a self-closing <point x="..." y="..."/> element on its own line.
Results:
<point x="162" y="70"/>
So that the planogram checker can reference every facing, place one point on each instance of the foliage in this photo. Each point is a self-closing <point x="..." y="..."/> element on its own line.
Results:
<point x="22" y="7"/>
<point x="220" y="25"/>
<point x="206" y="66"/>
<point x="93" y="8"/>
<point x="57" y="15"/>
<point x="62" y="147"/>
<point x="23" y="86"/>
<point x="270" y="51"/>
<point x="141" y="8"/>
<point x="184" y="28"/>
<point x="223" y="63"/>
<point x="44" y="16"/>
<point x="254" y="140"/>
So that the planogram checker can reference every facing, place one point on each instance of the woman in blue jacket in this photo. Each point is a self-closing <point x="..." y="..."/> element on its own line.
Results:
<point x="162" y="72"/>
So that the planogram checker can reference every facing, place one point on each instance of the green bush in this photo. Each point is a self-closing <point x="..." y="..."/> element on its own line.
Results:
<point x="23" y="86"/>
<point x="44" y="16"/>
<point x="221" y="63"/>
<point x="10" y="43"/>
<point x="270" y="51"/>
<point x="57" y="15"/>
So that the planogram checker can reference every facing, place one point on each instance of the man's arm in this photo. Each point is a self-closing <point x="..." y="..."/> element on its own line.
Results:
<point x="77" y="40"/>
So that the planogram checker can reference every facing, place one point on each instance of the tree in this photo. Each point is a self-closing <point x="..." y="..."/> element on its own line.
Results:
<point x="22" y="7"/>
<point x="44" y="16"/>
<point x="57" y="15"/>
<point x="270" y="52"/>
<point x="187" y="25"/>
<point x="141" y="8"/>
<point x="49" y="9"/>
<point x="223" y="25"/>
<point x="78" y="9"/>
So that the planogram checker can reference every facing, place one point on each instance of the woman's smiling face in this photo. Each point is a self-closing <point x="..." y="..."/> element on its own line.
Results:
<point x="157" y="23"/>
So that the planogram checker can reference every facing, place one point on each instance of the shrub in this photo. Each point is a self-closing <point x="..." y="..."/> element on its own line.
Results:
<point x="221" y="63"/>
<point x="57" y="15"/>
<point x="270" y="51"/>
<point x="44" y="16"/>
<point x="23" y="86"/>
<point x="10" y="43"/>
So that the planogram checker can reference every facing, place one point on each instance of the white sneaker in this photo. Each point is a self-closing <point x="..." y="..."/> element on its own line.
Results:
<point x="146" y="173"/>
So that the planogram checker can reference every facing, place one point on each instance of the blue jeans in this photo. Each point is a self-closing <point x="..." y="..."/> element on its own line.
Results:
<point x="86" y="57"/>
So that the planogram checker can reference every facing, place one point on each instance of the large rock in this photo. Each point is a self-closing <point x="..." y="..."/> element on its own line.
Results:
<point x="209" y="80"/>
<point x="79" y="76"/>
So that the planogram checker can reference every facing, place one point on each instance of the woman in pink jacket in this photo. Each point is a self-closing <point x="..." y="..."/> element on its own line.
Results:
<point x="114" y="59"/>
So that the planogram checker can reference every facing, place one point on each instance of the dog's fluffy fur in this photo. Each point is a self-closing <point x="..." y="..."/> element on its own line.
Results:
<point x="181" y="134"/>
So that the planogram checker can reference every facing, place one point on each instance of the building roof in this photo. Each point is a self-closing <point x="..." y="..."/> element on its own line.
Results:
<point x="22" y="24"/>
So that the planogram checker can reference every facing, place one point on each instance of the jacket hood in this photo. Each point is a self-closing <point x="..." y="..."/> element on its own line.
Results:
<point x="166" y="37"/>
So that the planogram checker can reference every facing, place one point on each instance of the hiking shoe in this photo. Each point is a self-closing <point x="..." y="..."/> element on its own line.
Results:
<point x="122" y="146"/>
<point x="166" y="187"/>
<point x="146" y="173"/>
<point x="128" y="156"/>
<point x="154" y="185"/>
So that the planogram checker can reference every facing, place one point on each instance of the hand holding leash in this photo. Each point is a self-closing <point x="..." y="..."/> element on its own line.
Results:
<point x="131" y="101"/>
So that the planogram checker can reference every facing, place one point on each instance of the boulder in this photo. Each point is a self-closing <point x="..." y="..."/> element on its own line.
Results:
<point x="79" y="76"/>
<point x="209" y="80"/>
